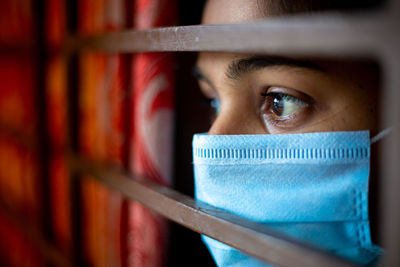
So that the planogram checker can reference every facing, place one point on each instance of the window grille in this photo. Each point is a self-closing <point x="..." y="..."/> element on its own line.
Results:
<point x="371" y="34"/>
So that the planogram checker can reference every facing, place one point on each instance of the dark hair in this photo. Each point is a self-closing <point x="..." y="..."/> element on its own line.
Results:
<point x="282" y="7"/>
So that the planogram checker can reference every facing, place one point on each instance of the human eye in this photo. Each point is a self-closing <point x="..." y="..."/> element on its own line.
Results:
<point x="285" y="108"/>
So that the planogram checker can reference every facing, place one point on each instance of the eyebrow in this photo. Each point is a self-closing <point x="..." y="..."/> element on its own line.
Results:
<point x="238" y="68"/>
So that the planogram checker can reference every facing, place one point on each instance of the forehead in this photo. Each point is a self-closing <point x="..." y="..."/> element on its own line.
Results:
<point x="231" y="11"/>
<point x="208" y="62"/>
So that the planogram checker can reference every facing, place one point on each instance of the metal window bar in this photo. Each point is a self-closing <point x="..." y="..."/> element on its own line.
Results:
<point x="332" y="35"/>
<point x="329" y="35"/>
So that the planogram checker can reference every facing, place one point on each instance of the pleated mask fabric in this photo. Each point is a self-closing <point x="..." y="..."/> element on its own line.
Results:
<point x="312" y="186"/>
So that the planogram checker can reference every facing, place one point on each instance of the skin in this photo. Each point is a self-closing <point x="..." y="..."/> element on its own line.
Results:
<point x="283" y="95"/>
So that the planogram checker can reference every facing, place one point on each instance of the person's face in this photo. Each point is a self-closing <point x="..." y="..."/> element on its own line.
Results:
<point x="271" y="94"/>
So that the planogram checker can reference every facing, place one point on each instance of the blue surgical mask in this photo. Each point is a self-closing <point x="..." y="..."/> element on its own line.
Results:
<point x="313" y="187"/>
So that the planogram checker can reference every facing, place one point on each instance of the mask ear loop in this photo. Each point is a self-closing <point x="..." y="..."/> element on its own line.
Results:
<point x="381" y="135"/>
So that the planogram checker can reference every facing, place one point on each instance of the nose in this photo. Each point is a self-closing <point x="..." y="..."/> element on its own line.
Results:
<point x="236" y="121"/>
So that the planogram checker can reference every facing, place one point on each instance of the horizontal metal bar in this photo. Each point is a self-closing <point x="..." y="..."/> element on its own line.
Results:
<point x="333" y="34"/>
<point x="252" y="238"/>
<point x="50" y="253"/>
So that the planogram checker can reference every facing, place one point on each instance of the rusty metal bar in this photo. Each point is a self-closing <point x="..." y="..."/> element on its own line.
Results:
<point x="333" y="35"/>
<point x="390" y="154"/>
<point x="250" y="237"/>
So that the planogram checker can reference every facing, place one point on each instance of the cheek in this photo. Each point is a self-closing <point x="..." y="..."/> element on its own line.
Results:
<point x="352" y="114"/>
<point x="362" y="113"/>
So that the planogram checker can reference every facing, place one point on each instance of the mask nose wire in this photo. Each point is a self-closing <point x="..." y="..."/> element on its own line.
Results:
<point x="381" y="135"/>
